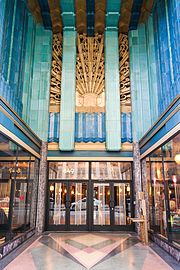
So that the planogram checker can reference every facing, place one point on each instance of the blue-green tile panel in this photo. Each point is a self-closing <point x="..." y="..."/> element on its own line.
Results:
<point x="68" y="14"/>
<point x="6" y="39"/>
<point x="46" y="16"/>
<point x="171" y="119"/>
<point x="90" y="8"/>
<point x="166" y="19"/>
<point x="152" y="69"/>
<point x="12" y="51"/>
<point x="2" y="21"/>
<point x="8" y="121"/>
<point x="28" y="68"/>
<point x="87" y="154"/>
<point x="112" y="13"/>
<point x="39" y="109"/>
<point x="173" y="8"/>
<point x="140" y="98"/>
<point x="135" y="14"/>
<point x="113" y="119"/>
<point x="68" y="88"/>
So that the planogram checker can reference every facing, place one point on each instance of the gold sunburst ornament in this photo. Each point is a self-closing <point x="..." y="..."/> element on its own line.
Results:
<point x="90" y="73"/>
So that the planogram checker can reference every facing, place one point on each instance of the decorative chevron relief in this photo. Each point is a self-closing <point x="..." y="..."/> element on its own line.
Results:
<point x="56" y="70"/>
<point x="125" y="95"/>
<point x="90" y="127"/>
<point x="90" y="73"/>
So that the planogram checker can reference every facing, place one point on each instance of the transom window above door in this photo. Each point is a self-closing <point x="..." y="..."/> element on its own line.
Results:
<point x="69" y="170"/>
<point x="111" y="170"/>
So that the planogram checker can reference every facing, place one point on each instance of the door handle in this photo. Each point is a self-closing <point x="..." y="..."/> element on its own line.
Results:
<point x="68" y="204"/>
<point x="111" y="204"/>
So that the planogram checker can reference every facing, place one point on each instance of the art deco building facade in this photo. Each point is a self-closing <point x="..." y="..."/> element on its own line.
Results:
<point x="89" y="118"/>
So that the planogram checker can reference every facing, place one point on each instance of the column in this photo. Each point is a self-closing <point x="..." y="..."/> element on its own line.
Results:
<point x="68" y="90"/>
<point x="68" y="81"/>
<point x="28" y="68"/>
<point x="152" y="70"/>
<point x="2" y="23"/>
<point x="39" y="110"/>
<point x="137" y="181"/>
<point x="141" y="115"/>
<point x="42" y="189"/>
<point x="145" y="186"/>
<point x="112" y="90"/>
<point x="34" y="194"/>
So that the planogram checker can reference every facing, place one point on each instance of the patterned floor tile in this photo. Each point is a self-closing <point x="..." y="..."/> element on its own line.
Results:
<point x="92" y="247"/>
<point x="93" y="251"/>
<point x="89" y="239"/>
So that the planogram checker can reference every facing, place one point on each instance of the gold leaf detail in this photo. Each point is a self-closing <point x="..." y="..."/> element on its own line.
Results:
<point x="125" y="95"/>
<point x="90" y="70"/>
<point x="56" y="70"/>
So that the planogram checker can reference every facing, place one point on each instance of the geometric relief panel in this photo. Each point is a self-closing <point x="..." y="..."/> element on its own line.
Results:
<point x="90" y="95"/>
<point x="125" y="94"/>
<point x="56" y="70"/>
<point x="90" y="127"/>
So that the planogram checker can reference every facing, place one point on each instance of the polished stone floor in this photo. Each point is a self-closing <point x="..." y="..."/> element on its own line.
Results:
<point x="96" y="251"/>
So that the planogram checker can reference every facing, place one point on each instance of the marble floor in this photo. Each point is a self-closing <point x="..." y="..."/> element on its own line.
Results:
<point x="96" y="251"/>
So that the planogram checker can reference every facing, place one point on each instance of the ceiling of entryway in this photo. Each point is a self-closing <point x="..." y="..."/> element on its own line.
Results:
<point x="90" y="16"/>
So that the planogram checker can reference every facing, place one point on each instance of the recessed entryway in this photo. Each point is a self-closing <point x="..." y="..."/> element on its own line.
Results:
<point x="89" y="196"/>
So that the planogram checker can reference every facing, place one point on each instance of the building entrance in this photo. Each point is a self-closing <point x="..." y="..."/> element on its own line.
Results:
<point x="88" y="204"/>
<point x="114" y="205"/>
<point x="67" y="207"/>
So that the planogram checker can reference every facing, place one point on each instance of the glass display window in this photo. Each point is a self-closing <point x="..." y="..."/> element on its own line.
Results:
<point x="17" y="189"/>
<point x="163" y="176"/>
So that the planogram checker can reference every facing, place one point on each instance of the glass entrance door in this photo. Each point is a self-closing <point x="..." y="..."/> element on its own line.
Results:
<point x="89" y="196"/>
<point x="57" y="203"/>
<point x="101" y="204"/>
<point x="111" y="205"/>
<point x="78" y="203"/>
<point x="68" y="202"/>
<point x="122" y="204"/>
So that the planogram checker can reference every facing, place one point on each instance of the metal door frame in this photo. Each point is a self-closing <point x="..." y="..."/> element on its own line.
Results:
<point x="67" y="226"/>
<point x="112" y="226"/>
<point x="89" y="225"/>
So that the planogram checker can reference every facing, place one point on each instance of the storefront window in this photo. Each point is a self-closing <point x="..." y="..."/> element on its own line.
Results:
<point x="111" y="170"/>
<point x="163" y="176"/>
<point x="158" y="219"/>
<point x="17" y="177"/>
<point x="149" y="195"/>
<point x="7" y="168"/>
<point x="21" y="189"/>
<point x="172" y="178"/>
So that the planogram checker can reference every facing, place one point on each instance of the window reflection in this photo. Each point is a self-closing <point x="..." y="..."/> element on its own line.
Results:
<point x="122" y="206"/>
<point x="5" y="187"/>
<point x="8" y="152"/>
<point x="69" y="170"/>
<point x="158" y="211"/>
<point x="57" y="203"/>
<point x="101" y="201"/>
<point x="111" y="170"/>
<point x="172" y="178"/>
<point x="78" y="203"/>
<point x="18" y="183"/>
<point x="163" y="175"/>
